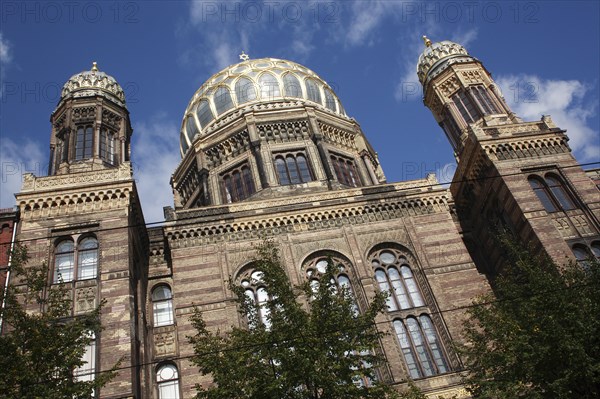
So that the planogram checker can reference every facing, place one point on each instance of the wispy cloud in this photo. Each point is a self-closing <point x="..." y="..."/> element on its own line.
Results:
<point x="565" y="101"/>
<point x="18" y="158"/>
<point x="5" y="50"/>
<point x="5" y="58"/>
<point x="155" y="157"/>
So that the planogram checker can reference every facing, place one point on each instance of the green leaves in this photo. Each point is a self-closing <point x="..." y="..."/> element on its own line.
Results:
<point x="539" y="336"/>
<point x="315" y="343"/>
<point x="42" y="344"/>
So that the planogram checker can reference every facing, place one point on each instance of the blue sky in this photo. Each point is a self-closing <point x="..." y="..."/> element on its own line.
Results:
<point x="544" y="55"/>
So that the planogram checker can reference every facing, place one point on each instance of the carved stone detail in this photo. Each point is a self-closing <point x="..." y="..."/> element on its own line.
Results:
<point x="448" y="87"/>
<point x="164" y="343"/>
<point x="528" y="148"/>
<point x="84" y="113"/>
<point x="227" y="149"/>
<point x="338" y="136"/>
<point x="472" y="76"/>
<point x="563" y="227"/>
<point x="282" y="132"/>
<point x="85" y="299"/>
<point x="111" y="118"/>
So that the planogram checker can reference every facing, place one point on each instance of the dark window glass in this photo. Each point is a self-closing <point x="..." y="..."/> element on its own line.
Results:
<point x="204" y="114"/>
<point x="312" y="90"/>
<point x="346" y="171"/>
<point x="83" y="143"/>
<point x="464" y="106"/>
<point x="291" y="86"/>
<point x="244" y="90"/>
<point x="483" y="97"/>
<point x="293" y="169"/>
<point x="540" y="189"/>
<point x="237" y="184"/>
<point x="107" y="146"/>
<point x="222" y="100"/>
<point x="329" y="99"/>
<point x="559" y="193"/>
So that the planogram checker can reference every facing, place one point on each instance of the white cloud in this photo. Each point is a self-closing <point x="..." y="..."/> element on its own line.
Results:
<point x="155" y="157"/>
<point x="5" y="58"/>
<point x="15" y="160"/>
<point x="530" y="97"/>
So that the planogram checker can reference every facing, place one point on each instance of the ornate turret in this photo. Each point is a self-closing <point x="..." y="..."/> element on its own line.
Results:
<point x="459" y="91"/>
<point x="91" y="127"/>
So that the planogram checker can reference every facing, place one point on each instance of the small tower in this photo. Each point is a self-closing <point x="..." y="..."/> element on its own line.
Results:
<point x="511" y="175"/>
<point x="84" y="220"/>
<point x="459" y="91"/>
<point x="90" y="126"/>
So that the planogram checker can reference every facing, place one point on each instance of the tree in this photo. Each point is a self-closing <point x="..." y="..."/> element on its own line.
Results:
<point x="327" y="351"/>
<point x="539" y="337"/>
<point x="41" y="351"/>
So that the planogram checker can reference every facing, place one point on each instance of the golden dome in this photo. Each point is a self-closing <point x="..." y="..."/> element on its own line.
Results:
<point x="249" y="84"/>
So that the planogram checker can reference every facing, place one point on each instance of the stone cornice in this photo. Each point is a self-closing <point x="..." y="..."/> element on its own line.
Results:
<point x="34" y="184"/>
<point x="313" y="212"/>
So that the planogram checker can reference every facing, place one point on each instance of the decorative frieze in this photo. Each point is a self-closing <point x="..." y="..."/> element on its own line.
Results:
<point x="338" y="136"/>
<point x="84" y="114"/>
<point x="528" y="148"/>
<point x="283" y="132"/>
<point x="320" y="220"/>
<point x="227" y="149"/>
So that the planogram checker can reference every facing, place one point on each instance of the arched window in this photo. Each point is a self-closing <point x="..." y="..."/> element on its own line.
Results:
<point x="291" y="85"/>
<point x="486" y="103"/>
<point x="312" y="90"/>
<point x="244" y="90"/>
<point x="317" y="266"/>
<point x="222" y="100"/>
<point x="204" y="113"/>
<point x="551" y="192"/>
<point x="269" y="87"/>
<point x="237" y="184"/>
<point x="345" y="170"/>
<point x="420" y="346"/>
<point x="465" y="106"/>
<point x="67" y="257"/>
<point x="394" y="275"/>
<point x="190" y="128"/>
<point x="87" y="371"/>
<point x="329" y="99"/>
<point x="560" y="194"/>
<point x="162" y="306"/>
<point x="87" y="258"/>
<point x="107" y="146"/>
<point x="256" y="291"/>
<point x="292" y="169"/>
<point x="167" y="380"/>
<point x="596" y="249"/>
<point x="64" y="261"/>
<point x="83" y="142"/>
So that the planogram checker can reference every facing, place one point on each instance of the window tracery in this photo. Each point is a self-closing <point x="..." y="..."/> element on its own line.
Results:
<point x="67" y="255"/>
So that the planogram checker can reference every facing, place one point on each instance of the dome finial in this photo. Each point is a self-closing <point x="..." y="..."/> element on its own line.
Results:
<point x="244" y="56"/>
<point x="427" y="41"/>
<point x="94" y="66"/>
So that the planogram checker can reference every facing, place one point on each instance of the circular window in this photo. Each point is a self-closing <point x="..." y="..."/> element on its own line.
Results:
<point x="375" y="263"/>
<point x="387" y="257"/>
<point x="257" y="276"/>
<point x="245" y="283"/>
<point x="322" y="266"/>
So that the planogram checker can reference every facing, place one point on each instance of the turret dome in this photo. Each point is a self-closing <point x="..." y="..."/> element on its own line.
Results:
<point x="437" y="55"/>
<point x="93" y="82"/>
<point x="249" y="85"/>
